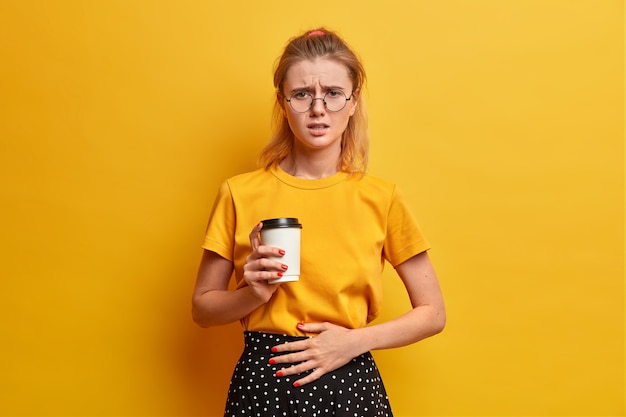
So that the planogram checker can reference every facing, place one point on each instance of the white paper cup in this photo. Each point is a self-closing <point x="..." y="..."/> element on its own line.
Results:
<point x="284" y="233"/>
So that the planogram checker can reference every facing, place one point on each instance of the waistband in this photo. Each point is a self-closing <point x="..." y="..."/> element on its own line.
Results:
<point x="262" y="342"/>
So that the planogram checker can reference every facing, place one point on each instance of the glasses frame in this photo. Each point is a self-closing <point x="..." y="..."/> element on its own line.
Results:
<point x="348" y="98"/>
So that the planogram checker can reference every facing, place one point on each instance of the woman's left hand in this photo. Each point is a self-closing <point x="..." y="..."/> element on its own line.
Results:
<point x="333" y="347"/>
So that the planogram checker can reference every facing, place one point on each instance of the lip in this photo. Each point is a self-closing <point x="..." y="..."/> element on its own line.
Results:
<point x="317" y="129"/>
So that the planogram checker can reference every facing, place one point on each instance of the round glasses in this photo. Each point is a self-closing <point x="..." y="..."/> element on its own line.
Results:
<point x="334" y="100"/>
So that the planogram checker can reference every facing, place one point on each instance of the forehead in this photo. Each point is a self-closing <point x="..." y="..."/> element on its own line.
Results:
<point x="320" y="71"/>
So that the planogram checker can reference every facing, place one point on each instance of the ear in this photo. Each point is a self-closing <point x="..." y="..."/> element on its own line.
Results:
<point x="280" y="100"/>
<point x="356" y="95"/>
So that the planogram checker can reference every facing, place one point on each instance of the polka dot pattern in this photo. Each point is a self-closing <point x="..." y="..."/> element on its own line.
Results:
<point x="354" y="390"/>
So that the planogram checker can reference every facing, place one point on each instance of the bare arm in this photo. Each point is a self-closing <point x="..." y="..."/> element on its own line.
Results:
<point x="427" y="318"/>
<point x="334" y="345"/>
<point x="214" y="304"/>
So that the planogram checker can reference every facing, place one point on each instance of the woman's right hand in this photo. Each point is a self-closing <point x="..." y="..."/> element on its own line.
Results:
<point x="258" y="270"/>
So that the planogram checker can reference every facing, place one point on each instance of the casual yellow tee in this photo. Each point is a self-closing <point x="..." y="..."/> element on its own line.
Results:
<point x="351" y="224"/>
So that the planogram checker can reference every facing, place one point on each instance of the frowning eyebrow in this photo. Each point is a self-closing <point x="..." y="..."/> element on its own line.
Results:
<point x="311" y="89"/>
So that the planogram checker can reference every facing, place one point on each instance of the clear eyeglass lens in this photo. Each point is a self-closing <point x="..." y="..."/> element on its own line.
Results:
<point x="334" y="100"/>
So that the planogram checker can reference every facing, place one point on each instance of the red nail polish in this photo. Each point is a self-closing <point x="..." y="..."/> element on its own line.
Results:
<point x="282" y="252"/>
<point x="295" y="384"/>
<point x="274" y="349"/>
<point x="272" y="361"/>
<point x="300" y="324"/>
<point x="280" y="274"/>
<point x="279" y="374"/>
<point x="283" y="266"/>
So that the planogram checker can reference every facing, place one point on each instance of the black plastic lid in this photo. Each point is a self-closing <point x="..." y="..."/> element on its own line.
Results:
<point x="281" y="222"/>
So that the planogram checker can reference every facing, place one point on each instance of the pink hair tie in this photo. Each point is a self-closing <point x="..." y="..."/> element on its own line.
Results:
<point x="316" y="33"/>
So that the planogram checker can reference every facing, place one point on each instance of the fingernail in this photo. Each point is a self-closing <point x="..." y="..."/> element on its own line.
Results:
<point x="283" y="266"/>
<point x="295" y="384"/>
<point x="280" y="274"/>
<point x="272" y="361"/>
<point x="300" y="324"/>
<point x="279" y="374"/>
<point x="282" y="252"/>
<point x="274" y="349"/>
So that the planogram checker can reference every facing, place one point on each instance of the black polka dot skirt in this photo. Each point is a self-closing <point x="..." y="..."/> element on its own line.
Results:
<point x="354" y="390"/>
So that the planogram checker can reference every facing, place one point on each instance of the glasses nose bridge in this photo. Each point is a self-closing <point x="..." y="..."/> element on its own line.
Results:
<point x="318" y="98"/>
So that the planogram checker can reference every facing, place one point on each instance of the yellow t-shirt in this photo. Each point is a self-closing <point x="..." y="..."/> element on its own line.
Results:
<point x="350" y="226"/>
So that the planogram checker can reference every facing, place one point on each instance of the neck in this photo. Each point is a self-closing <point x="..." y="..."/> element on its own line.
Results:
<point x="309" y="168"/>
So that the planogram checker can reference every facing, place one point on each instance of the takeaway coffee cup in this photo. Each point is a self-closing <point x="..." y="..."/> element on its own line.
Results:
<point x="284" y="233"/>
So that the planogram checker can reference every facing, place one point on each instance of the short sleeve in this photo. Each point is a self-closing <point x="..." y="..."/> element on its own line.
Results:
<point x="404" y="237"/>
<point x="219" y="236"/>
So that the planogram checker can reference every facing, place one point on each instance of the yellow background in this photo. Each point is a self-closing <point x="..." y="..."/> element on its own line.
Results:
<point x="501" y="120"/>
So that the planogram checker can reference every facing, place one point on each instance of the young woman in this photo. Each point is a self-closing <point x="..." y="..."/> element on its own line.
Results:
<point x="307" y="343"/>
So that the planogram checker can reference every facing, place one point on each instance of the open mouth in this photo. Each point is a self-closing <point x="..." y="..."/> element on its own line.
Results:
<point x="317" y="126"/>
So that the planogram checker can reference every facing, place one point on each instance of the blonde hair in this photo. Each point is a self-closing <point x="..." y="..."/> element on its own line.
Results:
<point x="320" y="43"/>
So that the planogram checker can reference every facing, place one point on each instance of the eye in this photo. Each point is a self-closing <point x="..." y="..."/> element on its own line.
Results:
<point x="334" y="93"/>
<point x="300" y="95"/>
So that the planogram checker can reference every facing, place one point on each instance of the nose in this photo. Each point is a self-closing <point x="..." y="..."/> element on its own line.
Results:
<point x="320" y="107"/>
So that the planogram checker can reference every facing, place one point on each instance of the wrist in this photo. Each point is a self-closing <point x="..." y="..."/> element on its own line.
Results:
<point x="255" y="297"/>
<point x="363" y="339"/>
